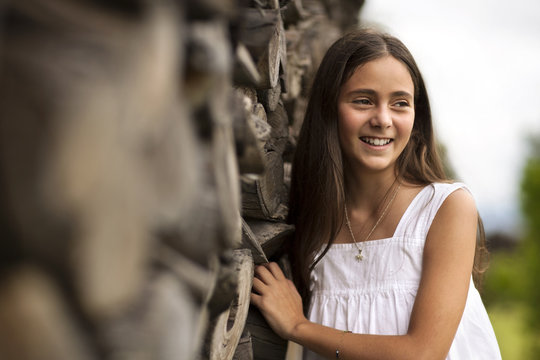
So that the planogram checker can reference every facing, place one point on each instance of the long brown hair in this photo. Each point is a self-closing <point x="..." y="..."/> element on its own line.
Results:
<point x="317" y="193"/>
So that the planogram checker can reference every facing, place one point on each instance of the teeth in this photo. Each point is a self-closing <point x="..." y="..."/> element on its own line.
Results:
<point x="375" y="141"/>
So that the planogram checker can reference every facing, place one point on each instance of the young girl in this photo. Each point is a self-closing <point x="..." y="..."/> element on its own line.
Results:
<point x="384" y="246"/>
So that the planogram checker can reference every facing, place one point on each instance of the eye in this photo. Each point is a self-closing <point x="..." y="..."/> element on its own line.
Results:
<point x="362" y="101"/>
<point x="401" y="103"/>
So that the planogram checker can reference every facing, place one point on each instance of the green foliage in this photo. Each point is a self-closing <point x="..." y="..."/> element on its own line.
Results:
<point x="530" y="192"/>
<point x="515" y="340"/>
<point x="505" y="280"/>
<point x="512" y="283"/>
<point x="530" y="202"/>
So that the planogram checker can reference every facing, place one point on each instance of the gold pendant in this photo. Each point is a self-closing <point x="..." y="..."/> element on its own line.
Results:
<point x="359" y="256"/>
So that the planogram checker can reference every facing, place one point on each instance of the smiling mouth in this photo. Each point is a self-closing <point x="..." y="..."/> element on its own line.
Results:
<point x="376" y="141"/>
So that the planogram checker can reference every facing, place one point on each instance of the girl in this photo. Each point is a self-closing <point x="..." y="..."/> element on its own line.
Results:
<point x="384" y="246"/>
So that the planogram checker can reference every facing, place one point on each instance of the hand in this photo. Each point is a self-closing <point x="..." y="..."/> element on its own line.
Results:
<point x="277" y="299"/>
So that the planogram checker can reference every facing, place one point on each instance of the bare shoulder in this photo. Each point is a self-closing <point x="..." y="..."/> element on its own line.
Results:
<point x="458" y="205"/>
<point x="456" y="221"/>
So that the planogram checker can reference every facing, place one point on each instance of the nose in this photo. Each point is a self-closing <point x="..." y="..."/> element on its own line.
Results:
<point x="382" y="118"/>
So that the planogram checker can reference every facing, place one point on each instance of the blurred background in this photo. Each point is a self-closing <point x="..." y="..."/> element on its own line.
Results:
<point x="145" y="156"/>
<point x="480" y="60"/>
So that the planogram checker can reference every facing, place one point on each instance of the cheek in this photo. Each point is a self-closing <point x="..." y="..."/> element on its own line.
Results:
<point x="346" y="124"/>
<point x="407" y="126"/>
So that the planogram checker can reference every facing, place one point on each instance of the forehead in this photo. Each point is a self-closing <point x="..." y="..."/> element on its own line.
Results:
<point x="386" y="74"/>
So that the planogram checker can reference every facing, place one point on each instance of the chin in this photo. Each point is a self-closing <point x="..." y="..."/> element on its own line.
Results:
<point x="376" y="168"/>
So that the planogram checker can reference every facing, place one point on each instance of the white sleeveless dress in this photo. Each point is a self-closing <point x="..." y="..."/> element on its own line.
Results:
<point x="376" y="295"/>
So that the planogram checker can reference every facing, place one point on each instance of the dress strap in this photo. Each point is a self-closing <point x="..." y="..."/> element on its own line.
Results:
<point x="419" y="215"/>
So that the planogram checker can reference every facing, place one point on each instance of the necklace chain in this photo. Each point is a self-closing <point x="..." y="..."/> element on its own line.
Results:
<point x="359" y="256"/>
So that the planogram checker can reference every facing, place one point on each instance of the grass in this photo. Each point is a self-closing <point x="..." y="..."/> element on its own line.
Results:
<point x="509" y="323"/>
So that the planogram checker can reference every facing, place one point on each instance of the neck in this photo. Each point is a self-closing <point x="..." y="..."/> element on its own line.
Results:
<point x="365" y="190"/>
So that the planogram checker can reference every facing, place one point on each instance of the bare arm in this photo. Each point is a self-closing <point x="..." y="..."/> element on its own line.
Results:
<point x="439" y="304"/>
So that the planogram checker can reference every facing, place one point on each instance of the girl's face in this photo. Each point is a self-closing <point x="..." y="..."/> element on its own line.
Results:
<point x="376" y="114"/>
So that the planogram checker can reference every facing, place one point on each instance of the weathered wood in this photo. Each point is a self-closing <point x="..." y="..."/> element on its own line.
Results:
<point x="263" y="129"/>
<point x="249" y="149"/>
<point x="267" y="345"/>
<point x="270" y="62"/>
<point x="287" y="170"/>
<point x="256" y="27"/>
<point x="283" y="60"/>
<point x="251" y="241"/>
<point x="209" y="89"/>
<point x="344" y="12"/>
<point x="95" y="113"/>
<point x="244" y="350"/>
<point x="250" y="93"/>
<point x="269" y="98"/>
<point x="270" y="235"/>
<point x="164" y="323"/>
<point x="227" y="284"/>
<point x="263" y="195"/>
<point x="208" y="60"/>
<point x="293" y="12"/>
<point x="119" y="145"/>
<point x="35" y="321"/>
<point x="279" y="135"/>
<point x="298" y="61"/>
<point x="317" y="34"/>
<point x="228" y="327"/>
<point x="269" y="4"/>
<point x="208" y="9"/>
<point x="245" y="69"/>
<point x="213" y="223"/>
<point x="296" y="110"/>
<point x="200" y="280"/>
<point x="227" y="185"/>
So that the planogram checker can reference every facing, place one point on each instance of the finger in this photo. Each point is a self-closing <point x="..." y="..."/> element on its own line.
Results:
<point x="255" y="299"/>
<point x="275" y="270"/>
<point x="258" y="286"/>
<point x="264" y="274"/>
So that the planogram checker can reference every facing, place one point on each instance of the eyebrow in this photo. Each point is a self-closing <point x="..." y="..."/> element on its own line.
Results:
<point x="373" y="92"/>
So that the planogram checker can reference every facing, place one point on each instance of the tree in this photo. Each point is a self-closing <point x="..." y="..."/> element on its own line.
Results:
<point x="530" y="204"/>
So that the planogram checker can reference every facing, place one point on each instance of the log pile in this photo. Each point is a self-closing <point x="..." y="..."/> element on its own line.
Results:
<point x="145" y="152"/>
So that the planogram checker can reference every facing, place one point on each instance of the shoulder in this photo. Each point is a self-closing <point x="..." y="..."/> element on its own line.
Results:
<point x="456" y="219"/>
<point x="456" y="200"/>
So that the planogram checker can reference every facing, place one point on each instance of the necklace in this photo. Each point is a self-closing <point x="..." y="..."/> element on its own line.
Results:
<point x="359" y="256"/>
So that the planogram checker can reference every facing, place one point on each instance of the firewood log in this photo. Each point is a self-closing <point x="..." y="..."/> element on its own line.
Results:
<point x="36" y="322"/>
<point x="251" y="241"/>
<point x="209" y="9"/>
<point x="263" y="129"/>
<point x="228" y="327"/>
<point x="293" y="12"/>
<point x="263" y="195"/>
<point x="279" y="122"/>
<point x="269" y="98"/>
<point x="245" y="69"/>
<point x="85" y="118"/>
<point x="255" y="29"/>
<point x="166" y="322"/>
<point x="270" y="62"/>
<point x="248" y="142"/>
<point x="270" y="235"/>
<point x="244" y="350"/>
<point x="267" y="345"/>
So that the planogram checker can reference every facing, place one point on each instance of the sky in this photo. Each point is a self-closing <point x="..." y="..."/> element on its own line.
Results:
<point x="481" y="63"/>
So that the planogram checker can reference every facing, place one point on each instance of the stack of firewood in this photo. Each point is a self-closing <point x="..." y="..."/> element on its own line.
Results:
<point x="145" y="152"/>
